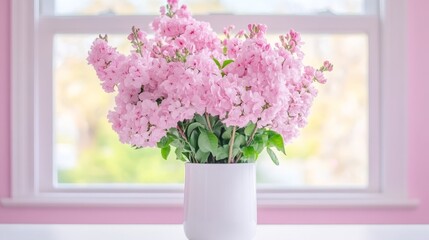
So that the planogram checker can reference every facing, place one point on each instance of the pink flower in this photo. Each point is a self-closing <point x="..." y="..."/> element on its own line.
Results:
<point x="318" y="75"/>
<point x="172" y="76"/>
<point x="328" y="66"/>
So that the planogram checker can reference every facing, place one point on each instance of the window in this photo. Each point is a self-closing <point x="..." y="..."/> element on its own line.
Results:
<point x="348" y="152"/>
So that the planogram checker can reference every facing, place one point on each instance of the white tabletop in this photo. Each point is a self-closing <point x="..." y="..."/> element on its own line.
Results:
<point x="175" y="232"/>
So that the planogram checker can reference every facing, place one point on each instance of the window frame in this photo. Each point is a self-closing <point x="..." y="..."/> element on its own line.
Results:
<point x="32" y="140"/>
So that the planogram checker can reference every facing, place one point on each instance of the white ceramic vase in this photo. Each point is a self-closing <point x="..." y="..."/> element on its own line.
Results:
<point x="220" y="201"/>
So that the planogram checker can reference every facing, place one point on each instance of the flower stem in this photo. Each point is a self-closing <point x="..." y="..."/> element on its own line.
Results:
<point x="231" y="145"/>
<point x="208" y="122"/>
<point x="249" y="141"/>
<point x="181" y="132"/>
<point x="136" y="41"/>
<point x="183" y="135"/>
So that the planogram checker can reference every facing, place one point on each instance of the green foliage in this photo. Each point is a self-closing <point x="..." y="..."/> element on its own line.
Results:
<point x="222" y="152"/>
<point x="180" y="154"/>
<point x="192" y="127"/>
<point x="276" y="140"/>
<point x="226" y="63"/>
<point x="200" y="119"/>
<point x="227" y="133"/>
<point x="273" y="156"/>
<point x="165" y="151"/>
<point x="239" y="140"/>
<point x="217" y="63"/>
<point x="205" y="139"/>
<point x="202" y="156"/>
<point x="249" y="129"/>
<point x="250" y="153"/>
<point x="223" y="65"/>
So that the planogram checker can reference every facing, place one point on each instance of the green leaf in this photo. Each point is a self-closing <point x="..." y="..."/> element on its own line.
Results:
<point x="165" y="151"/>
<point x="213" y="120"/>
<point x="177" y="143"/>
<point x="218" y="124"/>
<point x="259" y="142"/>
<point x="173" y="132"/>
<point x="208" y="142"/>
<point x="217" y="128"/>
<point x="239" y="140"/>
<point x="235" y="151"/>
<point x="258" y="146"/>
<point x="276" y="140"/>
<point x="273" y="156"/>
<point x="192" y="127"/>
<point x="202" y="156"/>
<point x="217" y="63"/>
<point x="264" y="139"/>
<point x="179" y="154"/>
<point x="249" y="129"/>
<point x="222" y="153"/>
<point x="165" y="141"/>
<point x="227" y="62"/>
<point x="193" y="139"/>
<point x="201" y="120"/>
<point x="227" y="133"/>
<point x="250" y="153"/>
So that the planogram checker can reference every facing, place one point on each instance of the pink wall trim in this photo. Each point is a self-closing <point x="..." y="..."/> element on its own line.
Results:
<point x="4" y="101"/>
<point x="418" y="138"/>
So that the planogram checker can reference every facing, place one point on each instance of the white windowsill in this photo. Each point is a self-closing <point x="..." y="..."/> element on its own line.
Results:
<point x="272" y="232"/>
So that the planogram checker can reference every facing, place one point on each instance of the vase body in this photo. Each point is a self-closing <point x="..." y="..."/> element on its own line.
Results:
<point x="220" y="201"/>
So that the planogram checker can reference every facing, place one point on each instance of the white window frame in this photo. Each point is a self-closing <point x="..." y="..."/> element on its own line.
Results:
<point x="32" y="134"/>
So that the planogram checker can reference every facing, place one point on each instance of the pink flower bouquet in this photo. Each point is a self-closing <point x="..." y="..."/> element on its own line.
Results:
<point x="213" y="100"/>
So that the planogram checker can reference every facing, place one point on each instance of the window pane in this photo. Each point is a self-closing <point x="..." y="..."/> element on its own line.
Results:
<point x="332" y="150"/>
<point x="136" y="7"/>
<point x="86" y="149"/>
